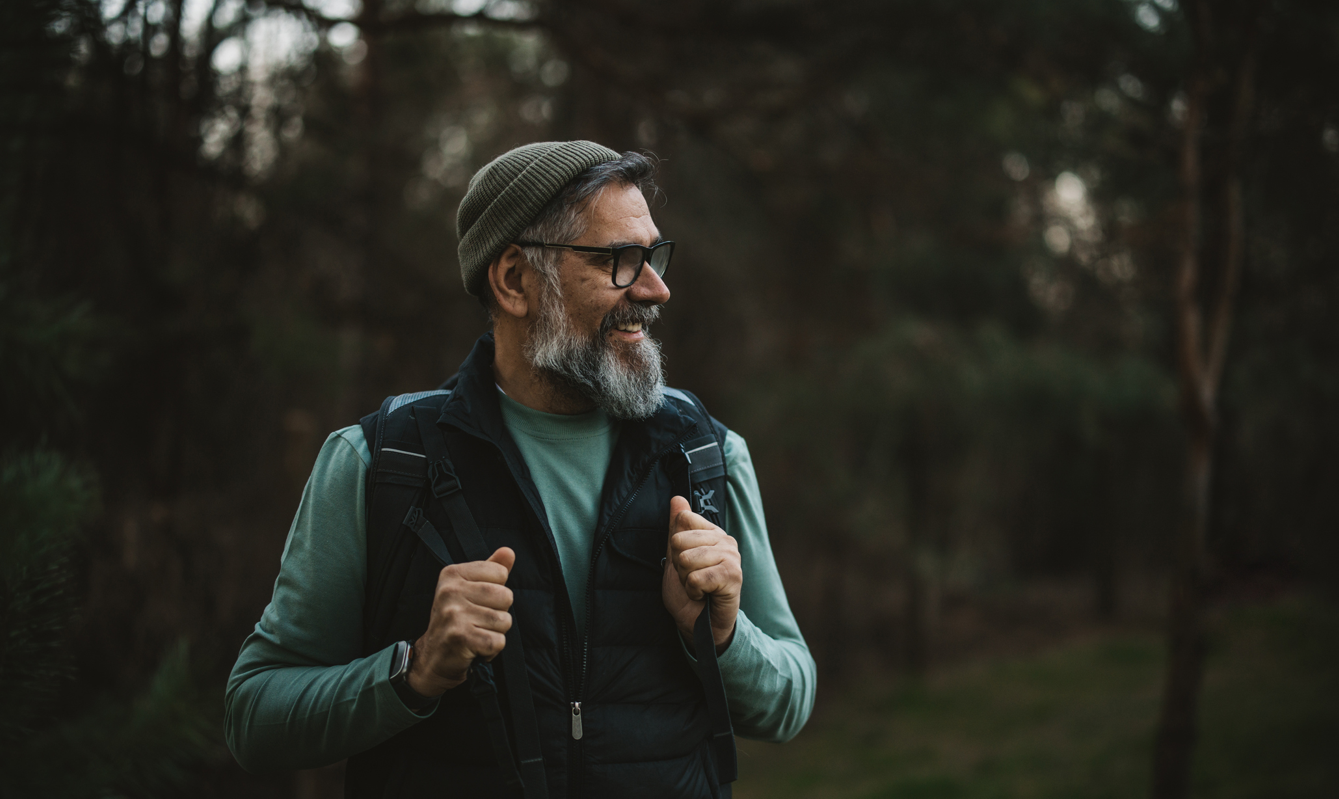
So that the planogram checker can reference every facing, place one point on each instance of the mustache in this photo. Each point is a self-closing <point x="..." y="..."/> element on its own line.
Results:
<point x="627" y="315"/>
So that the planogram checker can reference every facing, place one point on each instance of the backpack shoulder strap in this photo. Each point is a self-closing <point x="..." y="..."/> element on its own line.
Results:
<point x="393" y="496"/>
<point x="403" y="434"/>
<point x="444" y="484"/>
<point x="705" y="455"/>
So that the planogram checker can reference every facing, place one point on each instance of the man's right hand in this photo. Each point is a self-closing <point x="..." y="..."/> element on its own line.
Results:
<point x="469" y="619"/>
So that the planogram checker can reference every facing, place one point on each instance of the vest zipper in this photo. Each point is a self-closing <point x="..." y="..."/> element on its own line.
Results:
<point x="590" y="581"/>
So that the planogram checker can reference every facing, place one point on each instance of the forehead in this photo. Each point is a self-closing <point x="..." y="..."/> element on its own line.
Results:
<point x="618" y="214"/>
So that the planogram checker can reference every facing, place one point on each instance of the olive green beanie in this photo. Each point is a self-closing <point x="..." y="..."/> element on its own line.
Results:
<point x="506" y="195"/>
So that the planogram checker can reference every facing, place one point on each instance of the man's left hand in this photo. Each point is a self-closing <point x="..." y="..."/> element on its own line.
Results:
<point x="701" y="559"/>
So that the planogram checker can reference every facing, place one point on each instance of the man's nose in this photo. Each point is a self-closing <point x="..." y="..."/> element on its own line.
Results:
<point x="649" y="288"/>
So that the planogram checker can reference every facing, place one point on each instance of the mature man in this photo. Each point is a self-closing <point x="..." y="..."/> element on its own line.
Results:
<point x="591" y="633"/>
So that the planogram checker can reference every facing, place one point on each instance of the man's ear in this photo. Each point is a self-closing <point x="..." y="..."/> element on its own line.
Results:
<point x="506" y="276"/>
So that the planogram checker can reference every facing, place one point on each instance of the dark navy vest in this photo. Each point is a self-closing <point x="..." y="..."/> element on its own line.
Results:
<point x="645" y="725"/>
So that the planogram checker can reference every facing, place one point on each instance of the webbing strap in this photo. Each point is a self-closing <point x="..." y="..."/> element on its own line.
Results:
<point x="446" y="487"/>
<point x="483" y="687"/>
<point x="718" y="710"/>
<point x="428" y="534"/>
<point x="709" y="669"/>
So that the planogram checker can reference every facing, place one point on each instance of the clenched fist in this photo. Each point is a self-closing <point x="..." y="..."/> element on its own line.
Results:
<point x="469" y="620"/>
<point x="701" y="560"/>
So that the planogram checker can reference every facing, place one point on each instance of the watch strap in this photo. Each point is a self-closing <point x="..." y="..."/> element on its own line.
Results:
<point x="401" y="661"/>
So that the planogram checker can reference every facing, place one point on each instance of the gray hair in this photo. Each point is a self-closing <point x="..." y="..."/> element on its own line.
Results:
<point x="563" y="220"/>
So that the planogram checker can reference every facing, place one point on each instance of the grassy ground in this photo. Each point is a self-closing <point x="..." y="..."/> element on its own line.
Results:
<point x="1077" y="721"/>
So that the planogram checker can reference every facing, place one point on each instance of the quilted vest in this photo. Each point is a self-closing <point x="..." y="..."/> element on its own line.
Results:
<point x="645" y="729"/>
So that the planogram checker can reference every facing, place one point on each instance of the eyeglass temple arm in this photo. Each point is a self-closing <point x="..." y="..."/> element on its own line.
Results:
<point x="573" y="247"/>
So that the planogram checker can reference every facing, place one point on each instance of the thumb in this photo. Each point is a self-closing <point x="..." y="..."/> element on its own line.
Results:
<point x="678" y="505"/>
<point x="683" y="518"/>
<point x="504" y="556"/>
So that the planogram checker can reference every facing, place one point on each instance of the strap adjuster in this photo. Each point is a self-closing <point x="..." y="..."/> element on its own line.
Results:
<point x="443" y="478"/>
<point x="481" y="680"/>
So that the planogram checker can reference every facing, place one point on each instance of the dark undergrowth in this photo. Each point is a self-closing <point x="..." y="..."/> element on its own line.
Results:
<point x="1077" y="721"/>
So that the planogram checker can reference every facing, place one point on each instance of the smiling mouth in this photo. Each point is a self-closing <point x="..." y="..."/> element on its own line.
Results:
<point x="629" y="322"/>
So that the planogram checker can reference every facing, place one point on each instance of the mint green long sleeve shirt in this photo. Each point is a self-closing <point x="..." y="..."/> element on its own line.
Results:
<point x="301" y="695"/>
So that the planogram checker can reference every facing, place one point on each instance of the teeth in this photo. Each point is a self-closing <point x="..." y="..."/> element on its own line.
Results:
<point x="635" y="327"/>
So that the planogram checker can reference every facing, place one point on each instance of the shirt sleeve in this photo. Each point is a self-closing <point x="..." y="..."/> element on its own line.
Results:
<point x="769" y="675"/>
<point x="301" y="695"/>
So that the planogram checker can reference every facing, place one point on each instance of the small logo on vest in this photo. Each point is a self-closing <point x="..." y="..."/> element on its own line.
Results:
<point x="704" y="505"/>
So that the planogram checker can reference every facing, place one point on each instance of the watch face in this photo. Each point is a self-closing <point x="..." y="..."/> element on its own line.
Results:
<point x="400" y="660"/>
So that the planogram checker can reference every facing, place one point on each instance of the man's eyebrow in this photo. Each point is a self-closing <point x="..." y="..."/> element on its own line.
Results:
<point x="624" y="243"/>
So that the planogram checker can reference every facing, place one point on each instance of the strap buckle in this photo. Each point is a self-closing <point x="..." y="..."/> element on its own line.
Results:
<point x="443" y="478"/>
<point x="481" y="680"/>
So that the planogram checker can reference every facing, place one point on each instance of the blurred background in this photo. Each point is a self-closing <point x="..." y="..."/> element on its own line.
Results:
<point x="1023" y="308"/>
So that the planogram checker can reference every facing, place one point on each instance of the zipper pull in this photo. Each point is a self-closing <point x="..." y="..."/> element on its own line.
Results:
<point x="576" y="720"/>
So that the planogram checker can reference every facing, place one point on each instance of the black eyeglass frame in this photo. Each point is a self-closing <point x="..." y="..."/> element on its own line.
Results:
<point x="617" y="254"/>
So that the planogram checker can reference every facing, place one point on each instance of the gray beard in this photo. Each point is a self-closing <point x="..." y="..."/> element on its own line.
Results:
<point x="626" y="381"/>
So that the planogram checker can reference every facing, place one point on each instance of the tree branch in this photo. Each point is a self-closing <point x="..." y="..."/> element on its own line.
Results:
<point x="1233" y="214"/>
<point x="1189" y="322"/>
<point x="408" y="20"/>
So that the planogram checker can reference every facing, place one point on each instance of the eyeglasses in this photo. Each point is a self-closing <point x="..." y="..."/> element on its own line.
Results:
<point x="627" y="260"/>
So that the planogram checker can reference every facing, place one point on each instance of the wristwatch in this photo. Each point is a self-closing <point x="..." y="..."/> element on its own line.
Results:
<point x="401" y="659"/>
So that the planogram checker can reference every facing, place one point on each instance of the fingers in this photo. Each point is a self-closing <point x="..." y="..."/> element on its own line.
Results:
<point x="486" y="595"/>
<point x="696" y="549"/>
<point x="718" y="579"/>
<point x="706" y="561"/>
<point x="494" y="570"/>
<point x="479" y="642"/>
<point x="688" y="539"/>
<point x="701" y="560"/>
<point x="469" y="620"/>
<point x="474" y="624"/>
<point x="703" y="557"/>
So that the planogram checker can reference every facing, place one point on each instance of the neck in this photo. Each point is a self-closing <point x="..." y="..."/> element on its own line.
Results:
<point x="521" y="381"/>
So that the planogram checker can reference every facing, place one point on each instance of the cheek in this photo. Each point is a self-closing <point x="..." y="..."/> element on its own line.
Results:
<point x="589" y="312"/>
<point x="582" y="299"/>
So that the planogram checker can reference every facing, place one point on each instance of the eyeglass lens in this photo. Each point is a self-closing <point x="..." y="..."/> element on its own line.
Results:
<point x="628" y="262"/>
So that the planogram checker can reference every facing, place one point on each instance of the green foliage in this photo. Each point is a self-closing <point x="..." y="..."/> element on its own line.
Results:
<point x="48" y="349"/>
<point x="149" y="746"/>
<point x="986" y="416"/>
<point x="1077" y="720"/>
<point x="43" y="500"/>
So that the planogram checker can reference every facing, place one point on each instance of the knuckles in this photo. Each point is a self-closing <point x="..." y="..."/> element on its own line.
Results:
<point x="452" y="589"/>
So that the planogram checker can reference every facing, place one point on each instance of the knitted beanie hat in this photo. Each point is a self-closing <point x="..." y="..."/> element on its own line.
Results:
<point x="506" y="195"/>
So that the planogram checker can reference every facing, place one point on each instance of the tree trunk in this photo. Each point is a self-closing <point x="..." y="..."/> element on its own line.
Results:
<point x="369" y="109"/>
<point x="1177" y="727"/>
<point x="1201" y="354"/>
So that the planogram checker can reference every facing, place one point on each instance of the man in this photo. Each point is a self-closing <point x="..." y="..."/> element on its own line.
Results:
<point x="559" y="451"/>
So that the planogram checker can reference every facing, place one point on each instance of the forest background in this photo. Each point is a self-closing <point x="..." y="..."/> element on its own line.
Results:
<point x="1022" y="307"/>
